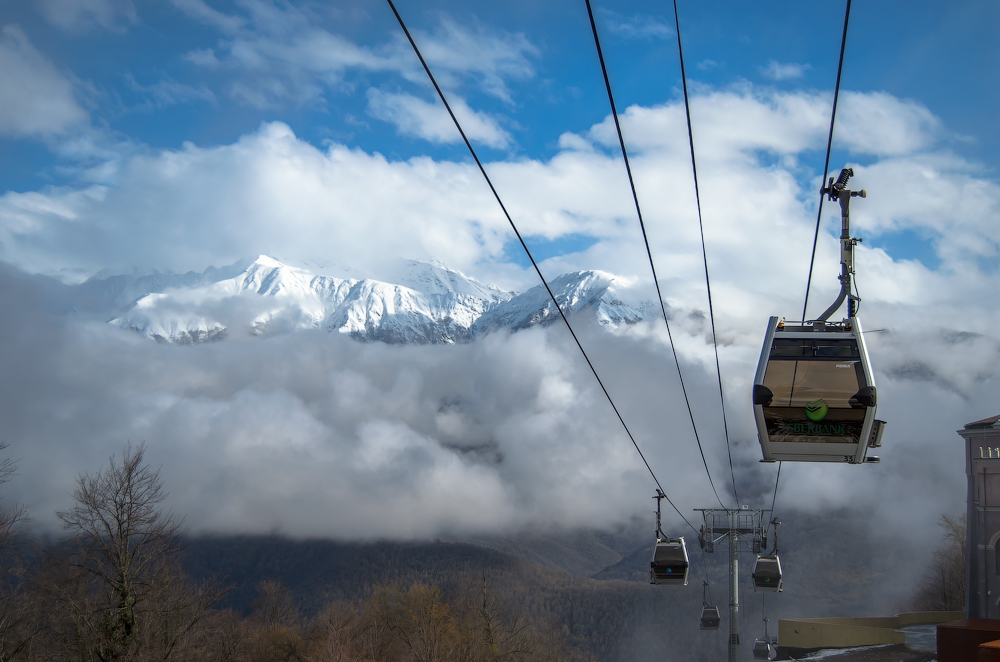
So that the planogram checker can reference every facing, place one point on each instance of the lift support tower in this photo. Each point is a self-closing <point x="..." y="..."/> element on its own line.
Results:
<point x="742" y="527"/>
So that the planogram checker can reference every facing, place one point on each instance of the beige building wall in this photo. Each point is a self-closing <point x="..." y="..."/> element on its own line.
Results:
<point x="846" y="632"/>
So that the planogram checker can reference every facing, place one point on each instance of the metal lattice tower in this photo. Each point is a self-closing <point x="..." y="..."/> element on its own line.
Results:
<point x="740" y="526"/>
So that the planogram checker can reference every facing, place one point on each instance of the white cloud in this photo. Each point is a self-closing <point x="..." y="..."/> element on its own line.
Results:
<point x="280" y="56"/>
<point x="728" y="123"/>
<point x="879" y="123"/>
<point x="273" y="193"/>
<point x="203" y="57"/>
<point x="304" y="433"/>
<point x="318" y="435"/>
<point x="82" y="15"/>
<point x="314" y="434"/>
<point x="784" y="70"/>
<point x="267" y="193"/>
<point x="202" y="12"/>
<point x="490" y="57"/>
<point x="637" y="26"/>
<point x="35" y="99"/>
<point x="169" y="92"/>
<point x="418" y="118"/>
<point x="945" y="196"/>
<point x="571" y="141"/>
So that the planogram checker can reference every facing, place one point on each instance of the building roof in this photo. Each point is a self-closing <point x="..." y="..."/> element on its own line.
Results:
<point x="985" y="423"/>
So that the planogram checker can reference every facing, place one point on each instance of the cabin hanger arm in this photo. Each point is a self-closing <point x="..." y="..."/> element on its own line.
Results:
<point x="838" y="191"/>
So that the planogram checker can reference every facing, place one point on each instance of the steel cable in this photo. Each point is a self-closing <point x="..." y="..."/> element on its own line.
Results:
<point x="826" y="164"/>
<point x="649" y="253"/>
<point x="775" y="497"/>
<point x="534" y="264"/>
<point x="819" y="213"/>
<point x="704" y="253"/>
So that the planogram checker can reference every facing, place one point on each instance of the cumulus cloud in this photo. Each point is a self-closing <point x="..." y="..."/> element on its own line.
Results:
<point x="273" y="193"/>
<point x="35" y="98"/>
<point x="268" y="193"/>
<point x="506" y="430"/>
<point x="784" y="70"/>
<point x="83" y="15"/>
<point x="879" y="123"/>
<point x="415" y="117"/>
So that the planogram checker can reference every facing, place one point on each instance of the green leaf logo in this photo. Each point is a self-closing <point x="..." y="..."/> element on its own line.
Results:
<point x="816" y="410"/>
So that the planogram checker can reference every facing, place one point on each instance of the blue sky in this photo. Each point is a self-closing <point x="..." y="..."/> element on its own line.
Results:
<point x="149" y="76"/>
<point x="134" y="71"/>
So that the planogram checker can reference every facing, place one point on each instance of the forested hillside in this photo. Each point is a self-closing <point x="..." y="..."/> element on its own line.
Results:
<point x="611" y="613"/>
<point x="609" y="620"/>
<point x="125" y="583"/>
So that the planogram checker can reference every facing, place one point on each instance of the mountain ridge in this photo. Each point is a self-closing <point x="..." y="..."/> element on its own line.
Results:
<point x="431" y="303"/>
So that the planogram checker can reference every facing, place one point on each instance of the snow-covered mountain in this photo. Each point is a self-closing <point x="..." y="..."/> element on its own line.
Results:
<point x="430" y="304"/>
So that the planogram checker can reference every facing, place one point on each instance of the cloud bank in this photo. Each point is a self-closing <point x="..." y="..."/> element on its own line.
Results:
<point x="312" y="434"/>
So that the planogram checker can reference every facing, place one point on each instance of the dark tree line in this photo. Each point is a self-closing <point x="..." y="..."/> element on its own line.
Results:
<point x="114" y="590"/>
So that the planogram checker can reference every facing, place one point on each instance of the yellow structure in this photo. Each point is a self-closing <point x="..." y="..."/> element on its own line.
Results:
<point x="847" y="632"/>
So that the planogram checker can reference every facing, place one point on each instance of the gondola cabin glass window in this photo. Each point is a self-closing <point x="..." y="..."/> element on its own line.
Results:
<point x="814" y="385"/>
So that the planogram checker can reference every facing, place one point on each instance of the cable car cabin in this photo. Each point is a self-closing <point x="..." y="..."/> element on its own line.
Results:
<point x="669" y="564"/>
<point x="710" y="618"/>
<point x="767" y="574"/>
<point x="762" y="649"/>
<point x="814" y="394"/>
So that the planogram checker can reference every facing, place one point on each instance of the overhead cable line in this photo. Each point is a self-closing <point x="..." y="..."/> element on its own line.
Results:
<point x="775" y="497"/>
<point x="530" y="257"/>
<point x="649" y="253"/>
<point x="704" y="253"/>
<point x="819" y="212"/>
<point x="826" y="164"/>
<point x="708" y="584"/>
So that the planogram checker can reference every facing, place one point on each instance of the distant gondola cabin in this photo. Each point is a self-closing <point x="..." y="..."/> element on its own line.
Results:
<point x="669" y="564"/>
<point x="766" y="574"/>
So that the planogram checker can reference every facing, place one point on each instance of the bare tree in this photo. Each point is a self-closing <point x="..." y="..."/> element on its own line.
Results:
<point x="334" y="634"/>
<point x="420" y="618"/>
<point x="497" y="629"/>
<point x="943" y="586"/>
<point x="274" y="606"/>
<point x="119" y="592"/>
<point x="10" y="518"/>
<point x="17" y="622"/>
